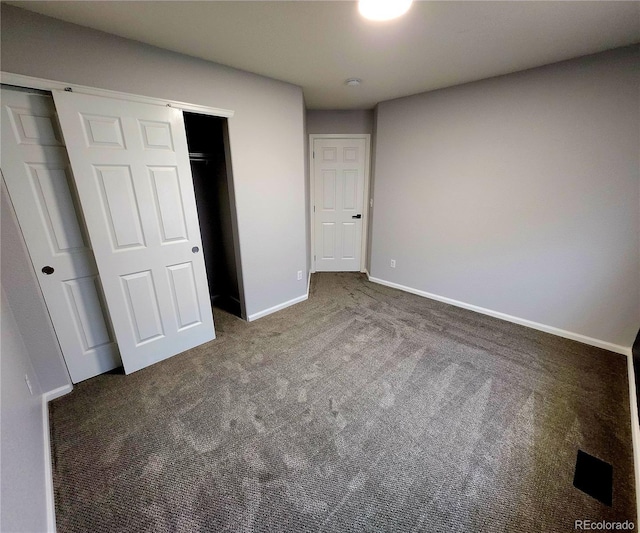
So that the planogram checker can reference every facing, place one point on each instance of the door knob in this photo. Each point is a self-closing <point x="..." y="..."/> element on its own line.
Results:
<point x="48" y="270"/>
<point x="195" y="249"/>
<point x="357" y="216"/>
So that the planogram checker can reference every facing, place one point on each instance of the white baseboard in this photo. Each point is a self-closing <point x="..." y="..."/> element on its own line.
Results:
<point x="260" y="314"/>
<point x="624" y="350"/>
<point x="635" y="432"/>
<point x="56" y="393"/>
<point x="308" y="283"/>
<point x="48" y="473"/>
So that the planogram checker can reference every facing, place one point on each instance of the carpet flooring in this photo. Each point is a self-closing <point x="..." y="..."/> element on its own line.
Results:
<point x="361" y="409"/>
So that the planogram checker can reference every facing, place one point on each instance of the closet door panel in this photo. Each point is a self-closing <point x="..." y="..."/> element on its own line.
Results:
<point x="131" y="166"/>
<point x="36" y="169"/>
<point x="169" y="205"/>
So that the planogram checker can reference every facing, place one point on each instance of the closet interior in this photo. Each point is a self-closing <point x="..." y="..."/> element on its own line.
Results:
<point x="208" y="143"/>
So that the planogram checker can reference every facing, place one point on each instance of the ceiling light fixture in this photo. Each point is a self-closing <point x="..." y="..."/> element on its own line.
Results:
<point x="353" y="82"/>
<point x="383" y="9"/>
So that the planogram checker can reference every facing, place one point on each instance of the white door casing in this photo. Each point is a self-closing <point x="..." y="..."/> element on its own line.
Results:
<point x="339" y="168"/>
<point x="131" y="166"/>
<point x="36" y="170"/>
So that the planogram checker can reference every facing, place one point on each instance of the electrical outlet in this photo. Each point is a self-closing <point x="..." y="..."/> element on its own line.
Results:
<point x="26" y="380"/>
<point x="393" y="263"/>
<point x="299" y="274"/>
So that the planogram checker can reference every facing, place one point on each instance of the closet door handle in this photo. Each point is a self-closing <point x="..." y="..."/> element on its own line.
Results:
<point x="357" y="216"/>
<point x="48" y="270"/>
<point x="195" y="249"/>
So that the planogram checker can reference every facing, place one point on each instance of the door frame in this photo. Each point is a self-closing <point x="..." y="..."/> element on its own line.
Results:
<point x="43" y="84"/>
<point x="366" y="201"/>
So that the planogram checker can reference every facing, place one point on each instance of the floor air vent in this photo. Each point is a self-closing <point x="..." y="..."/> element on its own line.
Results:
<point x="594" y="477"/>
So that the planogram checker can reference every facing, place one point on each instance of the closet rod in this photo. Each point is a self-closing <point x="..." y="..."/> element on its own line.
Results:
<point x="202" y="155"/>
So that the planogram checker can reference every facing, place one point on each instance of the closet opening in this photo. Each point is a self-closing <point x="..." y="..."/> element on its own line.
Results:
<point x="208" y="143"/>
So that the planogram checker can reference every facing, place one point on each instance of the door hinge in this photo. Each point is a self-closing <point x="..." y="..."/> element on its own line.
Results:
<point x="314" y="154"/>
<point x="314" y="208"/>
<point x="314" y="257"/>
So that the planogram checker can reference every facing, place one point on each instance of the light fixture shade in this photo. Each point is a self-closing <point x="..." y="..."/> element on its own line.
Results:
<point x="383" y="9"/>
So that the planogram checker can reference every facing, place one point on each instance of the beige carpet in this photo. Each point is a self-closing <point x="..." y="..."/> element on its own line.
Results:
<point x="362" y="409"/>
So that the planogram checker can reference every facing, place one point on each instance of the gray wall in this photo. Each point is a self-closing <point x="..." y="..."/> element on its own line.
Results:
<point x="266" y="132"/>
<point x="23" y="293"/>
<point x="519" y="194"/>
<point x="356" y="121"/>
<point x="23" y="480"/>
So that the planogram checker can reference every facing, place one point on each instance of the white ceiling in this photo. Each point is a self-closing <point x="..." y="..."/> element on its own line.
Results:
<point x="319" y="44"/>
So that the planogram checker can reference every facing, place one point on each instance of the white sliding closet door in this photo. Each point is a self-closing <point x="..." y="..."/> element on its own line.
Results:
<point x="36" y="170"/>
<point x="131" y="165"/>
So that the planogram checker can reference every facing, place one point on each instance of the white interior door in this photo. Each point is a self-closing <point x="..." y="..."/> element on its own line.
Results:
<point x="131" y="165"/>
<point x="339" y="171"/>
<point x="36" y="170"/>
